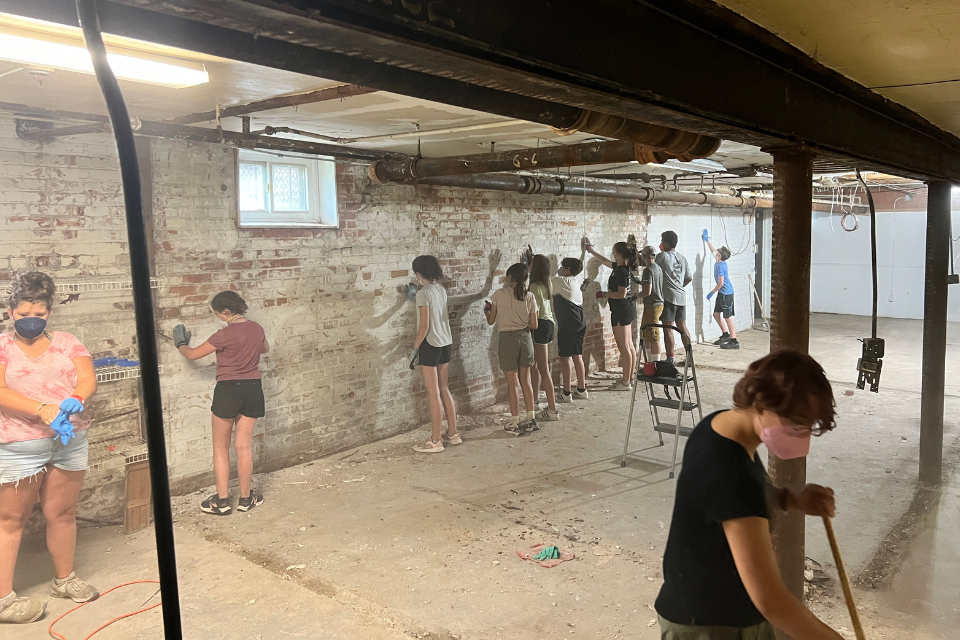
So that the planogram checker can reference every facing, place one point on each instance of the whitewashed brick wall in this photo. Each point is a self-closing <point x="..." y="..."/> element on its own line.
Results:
<point x="689" y="222"/>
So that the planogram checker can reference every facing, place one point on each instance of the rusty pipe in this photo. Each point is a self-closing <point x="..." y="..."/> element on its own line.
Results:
<point x="605" y="189"/>
<point x="681" y="145"/>
<point x="573" y="155"/>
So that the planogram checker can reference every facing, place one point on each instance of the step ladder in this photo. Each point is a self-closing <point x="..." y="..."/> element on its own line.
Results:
<point x="681" y="385"/>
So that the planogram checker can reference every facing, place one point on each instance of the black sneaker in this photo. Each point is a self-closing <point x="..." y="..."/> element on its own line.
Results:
<point x="529" y="426"/>
<point x="253" y="500"/>
<point x="513" y="429"/>
<point x="730" y="344"/>
<point x="216" y="505"/>
<point x="725" y="337"/>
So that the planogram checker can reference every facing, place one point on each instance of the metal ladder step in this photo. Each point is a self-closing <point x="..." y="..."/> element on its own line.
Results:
<point x="670" y="382"/>
<point x="663" y="427"/>
<point x="672" y="404"/>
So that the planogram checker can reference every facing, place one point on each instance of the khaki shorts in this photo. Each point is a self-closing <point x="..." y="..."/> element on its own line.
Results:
<point x="651" y="315"/>
<point x="516" y="349"/>
<point x="672" y="631"/>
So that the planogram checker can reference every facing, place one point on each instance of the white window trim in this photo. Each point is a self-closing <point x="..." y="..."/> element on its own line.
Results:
<point x="322" y="210"/>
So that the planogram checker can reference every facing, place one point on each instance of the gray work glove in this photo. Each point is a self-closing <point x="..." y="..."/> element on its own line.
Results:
<point x="181" y="337"/>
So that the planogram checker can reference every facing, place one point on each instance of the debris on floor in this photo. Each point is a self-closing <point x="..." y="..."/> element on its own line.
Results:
<point x="533" y="554"/>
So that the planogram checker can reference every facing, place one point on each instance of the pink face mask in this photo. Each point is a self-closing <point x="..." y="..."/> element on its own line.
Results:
<point x="784" y="442"/>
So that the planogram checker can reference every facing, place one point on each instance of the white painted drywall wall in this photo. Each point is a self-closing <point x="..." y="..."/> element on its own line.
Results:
<point x="726" y="227"/>
<point x="840" y="278"/>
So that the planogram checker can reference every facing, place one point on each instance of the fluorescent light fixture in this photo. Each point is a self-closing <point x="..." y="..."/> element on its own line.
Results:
<point x="702" y="165"/>
<point x="60" y="54"/>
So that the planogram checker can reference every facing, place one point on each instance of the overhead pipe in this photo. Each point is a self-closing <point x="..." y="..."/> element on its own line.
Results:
<point x="278" y="102"/>
<point x="605" y="189"/>
<point x="572" y="155"/>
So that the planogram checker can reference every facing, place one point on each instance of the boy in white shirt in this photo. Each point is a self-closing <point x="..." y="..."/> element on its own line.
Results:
<point x="568" y="310"/>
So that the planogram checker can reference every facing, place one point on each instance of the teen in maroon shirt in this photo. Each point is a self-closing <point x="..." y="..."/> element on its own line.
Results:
<point x="237" y="398"/>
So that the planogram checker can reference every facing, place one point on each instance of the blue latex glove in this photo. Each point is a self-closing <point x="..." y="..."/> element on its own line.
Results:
<point x="709" y="295"/>
<point x="71" y="406"/>
<point x="62" y="426"/>
<point x="181" y="336"/>
<point x="706" y="236"/>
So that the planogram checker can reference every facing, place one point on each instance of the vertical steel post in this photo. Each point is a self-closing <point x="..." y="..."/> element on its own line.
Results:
<point x="934" y="332"/>
<point x="790" y="325"/>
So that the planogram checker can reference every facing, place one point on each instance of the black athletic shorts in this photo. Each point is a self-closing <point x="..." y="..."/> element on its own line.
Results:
<point x="622" y="313"/>
<point x="232" y="398"/>
<point x="543" y="334"/>
<point x="570" y="327"/>
<point x="724" y="305"/>
<point x="431" y="356"/>
<point x="673" y="313"/>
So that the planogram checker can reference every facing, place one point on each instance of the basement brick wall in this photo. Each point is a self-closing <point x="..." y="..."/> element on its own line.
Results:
<point x="330" y="300"/>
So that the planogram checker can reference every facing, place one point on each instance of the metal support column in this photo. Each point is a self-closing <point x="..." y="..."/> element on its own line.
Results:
<point x="790" y="325"/>
<point x="934" y="333"/>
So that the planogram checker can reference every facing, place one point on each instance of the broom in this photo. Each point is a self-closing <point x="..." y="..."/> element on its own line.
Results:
<point x="844" y="582"/>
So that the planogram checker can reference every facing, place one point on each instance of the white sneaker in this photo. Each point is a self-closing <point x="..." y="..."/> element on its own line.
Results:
<point x="16" y="610"/>
<point x="430" y="446"/>
<point x="564" y="397"/>
<point x="620" y="386"/>
<point x="73" y="588"/>
<point x="577" y="395"/>
<point x="548" y="416"/>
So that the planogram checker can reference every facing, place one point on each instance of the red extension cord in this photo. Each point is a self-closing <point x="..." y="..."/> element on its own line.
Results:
<point x="54" y="634"/>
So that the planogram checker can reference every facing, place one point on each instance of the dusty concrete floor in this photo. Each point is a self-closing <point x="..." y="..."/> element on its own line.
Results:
<point x="381" y="542"/>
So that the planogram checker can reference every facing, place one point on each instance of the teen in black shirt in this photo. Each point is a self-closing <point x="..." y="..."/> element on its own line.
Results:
<point x="721" y="579"/>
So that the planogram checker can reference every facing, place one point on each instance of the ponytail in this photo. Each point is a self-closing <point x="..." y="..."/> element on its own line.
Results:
<point x="629" y="254"/>
<point x="518" y="273"/>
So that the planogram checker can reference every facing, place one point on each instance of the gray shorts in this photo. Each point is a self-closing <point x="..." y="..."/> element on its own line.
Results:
<point x="516" y="349"/>
<point x="673" y="631"/>
<point x="27" y="458"/>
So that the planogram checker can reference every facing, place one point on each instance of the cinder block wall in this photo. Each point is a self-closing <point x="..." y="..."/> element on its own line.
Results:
<point x="339" y="327"/>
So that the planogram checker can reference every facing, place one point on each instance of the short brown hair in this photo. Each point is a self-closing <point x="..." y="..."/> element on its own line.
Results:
<point x="228" y="301"/>
<point x="784" y="382"/>
<point x="428" y="267"/>
<point x="724" y="253"/>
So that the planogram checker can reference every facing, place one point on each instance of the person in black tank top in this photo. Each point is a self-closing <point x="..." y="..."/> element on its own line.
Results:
<point x="720" y="576"/>
<point x="623" y="311"/>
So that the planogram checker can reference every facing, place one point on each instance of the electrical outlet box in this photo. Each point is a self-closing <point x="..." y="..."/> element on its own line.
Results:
<point x="870" y="364"/>
<point x="953" y="278"/>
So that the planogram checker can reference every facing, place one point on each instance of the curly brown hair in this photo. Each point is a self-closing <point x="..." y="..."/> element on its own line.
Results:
<point x="33" y="287"/>
<point x="791" y="384"/>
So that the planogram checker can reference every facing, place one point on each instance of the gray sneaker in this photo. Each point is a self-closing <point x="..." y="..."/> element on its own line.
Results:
<point x="581" y="395"/>
<point x="14" y="610"/>
<point x="73" y="588"/>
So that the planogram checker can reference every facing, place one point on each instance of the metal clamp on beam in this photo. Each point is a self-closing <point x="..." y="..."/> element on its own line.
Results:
<point x="870" y="364"/>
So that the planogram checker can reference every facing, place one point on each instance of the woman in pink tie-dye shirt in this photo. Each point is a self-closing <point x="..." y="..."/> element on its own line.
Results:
<point x="43" y="374"/>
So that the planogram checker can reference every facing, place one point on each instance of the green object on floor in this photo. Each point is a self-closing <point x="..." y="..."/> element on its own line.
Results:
<point x="550" y="553"/>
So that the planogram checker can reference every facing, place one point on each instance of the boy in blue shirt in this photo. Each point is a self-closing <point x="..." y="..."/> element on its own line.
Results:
<point x="723" y="309"/>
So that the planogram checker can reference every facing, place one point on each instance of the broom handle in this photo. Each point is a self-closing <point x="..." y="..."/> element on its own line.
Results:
<point x="759" y="304"/>
<point x="844" y="582"/>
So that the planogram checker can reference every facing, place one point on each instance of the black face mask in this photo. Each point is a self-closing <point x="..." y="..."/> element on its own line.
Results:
<point x="30" y="327"/>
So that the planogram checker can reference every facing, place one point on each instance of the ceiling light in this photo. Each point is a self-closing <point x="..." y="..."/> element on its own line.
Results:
<point x="62" y="53"/>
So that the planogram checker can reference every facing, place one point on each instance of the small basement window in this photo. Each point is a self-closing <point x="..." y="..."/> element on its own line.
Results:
<point x="286" y="191"/>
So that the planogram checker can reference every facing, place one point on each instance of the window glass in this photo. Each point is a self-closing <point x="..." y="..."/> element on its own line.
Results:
<point x="253" y="186"/>
<point x="289" y="183"/>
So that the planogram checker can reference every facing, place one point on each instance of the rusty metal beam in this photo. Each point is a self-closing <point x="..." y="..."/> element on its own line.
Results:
<point x="572" y="155"/>
<point x="790" y="326"/>
<point x="31" y="131"/>
<point x="278" y="102"/>
<point x="934" y="350"/>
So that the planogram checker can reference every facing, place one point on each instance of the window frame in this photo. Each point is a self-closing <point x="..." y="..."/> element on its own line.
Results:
<point x="321" y="212"/>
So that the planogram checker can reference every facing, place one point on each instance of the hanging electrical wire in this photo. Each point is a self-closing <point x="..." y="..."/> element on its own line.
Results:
<point x="870" y="363"/>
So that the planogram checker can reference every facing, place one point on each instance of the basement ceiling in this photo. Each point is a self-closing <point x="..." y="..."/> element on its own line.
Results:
<point x="906" y="50"/>
<point x="374" y="114"/>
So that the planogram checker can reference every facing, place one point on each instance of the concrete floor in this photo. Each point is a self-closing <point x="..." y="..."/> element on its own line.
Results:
<point x="380" y="542"/>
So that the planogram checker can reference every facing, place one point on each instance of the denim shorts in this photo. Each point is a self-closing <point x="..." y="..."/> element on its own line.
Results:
<point x="25" y="459"/>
